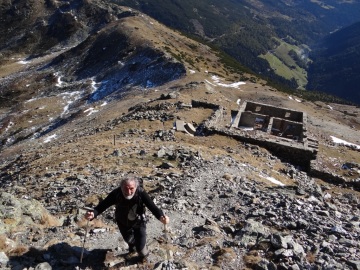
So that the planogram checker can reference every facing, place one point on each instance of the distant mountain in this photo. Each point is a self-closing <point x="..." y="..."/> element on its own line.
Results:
<point x="271" y="37"/>
<point x="336" y="64"/>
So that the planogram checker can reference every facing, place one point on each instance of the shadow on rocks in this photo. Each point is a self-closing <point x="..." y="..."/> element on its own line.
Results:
<point x="59" y="256"/>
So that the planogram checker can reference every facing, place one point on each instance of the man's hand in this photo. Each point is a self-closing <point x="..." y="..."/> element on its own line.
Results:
<point x="89" y="215"/>
<point x="165" y="219"/>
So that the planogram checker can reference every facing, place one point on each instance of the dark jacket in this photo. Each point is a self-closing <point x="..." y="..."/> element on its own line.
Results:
<point x="129" y="212"/>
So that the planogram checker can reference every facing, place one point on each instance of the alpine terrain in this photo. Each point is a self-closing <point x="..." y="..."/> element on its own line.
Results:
<point x="251" y="177"/>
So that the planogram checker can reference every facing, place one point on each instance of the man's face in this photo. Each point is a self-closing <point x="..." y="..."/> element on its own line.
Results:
<point x="128" y="190"/>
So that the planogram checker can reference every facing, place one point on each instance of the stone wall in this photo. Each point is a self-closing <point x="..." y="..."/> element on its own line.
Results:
<point x="274" y="111"/>
<point x="295" y="151"/>
<point x="332" y="178"/>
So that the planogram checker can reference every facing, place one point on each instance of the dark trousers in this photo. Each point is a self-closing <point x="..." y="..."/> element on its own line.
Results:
<point x="134" y="236"/>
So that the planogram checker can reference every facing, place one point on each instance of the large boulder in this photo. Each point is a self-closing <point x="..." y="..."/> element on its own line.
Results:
<point x="22" y="212"/>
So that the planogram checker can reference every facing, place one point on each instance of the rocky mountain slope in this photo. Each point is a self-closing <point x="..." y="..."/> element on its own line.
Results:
<point x="78" y="115"/>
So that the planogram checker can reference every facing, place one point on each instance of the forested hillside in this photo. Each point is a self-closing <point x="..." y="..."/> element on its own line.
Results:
<point x="249" y="29"/>
<point x="336" y="65"/>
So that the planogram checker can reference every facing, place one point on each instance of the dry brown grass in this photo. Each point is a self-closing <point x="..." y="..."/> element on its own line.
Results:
<point x="252" y="258"/>
<point x="49" y="220"/>
<point x="18" y="251"/>
<point x="10" y="247"/>
<point x="311" y="257"/>
<point x="95" y="223"/>
<point x="3" y="245"/>
<point x="224" y="255"/>
<point x="11" y="66"/>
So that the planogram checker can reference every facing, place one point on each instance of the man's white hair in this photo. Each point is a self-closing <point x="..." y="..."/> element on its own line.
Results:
<point x="128" y="180"/>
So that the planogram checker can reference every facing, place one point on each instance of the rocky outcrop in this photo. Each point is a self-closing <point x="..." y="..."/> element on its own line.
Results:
<point x="18" y="213"/>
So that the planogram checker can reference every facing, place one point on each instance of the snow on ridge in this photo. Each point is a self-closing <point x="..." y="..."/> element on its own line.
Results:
<point x="50" y="138"/>
<point x="272" y="180"/>
<point x="59" y="83"/>
<point x="9" y="125"/>
<point x="24" y="62"/>
<point x="340" y="141"/>
<point x="67" y="97"/>
<point x="298" y="100"/>
<point x="31" y="100"/>
<point x="210" y="83"/>
<point x="91" y="111"/>
<point x="216" y="80"/>
<point x="94" y="85"/>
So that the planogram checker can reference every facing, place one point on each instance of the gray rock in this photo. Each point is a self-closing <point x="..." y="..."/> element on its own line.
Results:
<point x="354" y="264"/>
<point x="25" y="211"/>
<point x="262" y="265"/>
<point x="279" y="241"/>
<point x="298" y="250"/>
<point x="338" y="230"/>
<point x="255" y="228"/>
<point x="43" y="266"/>
<point x="3" y="259"/>
<point x="161" y="153"/>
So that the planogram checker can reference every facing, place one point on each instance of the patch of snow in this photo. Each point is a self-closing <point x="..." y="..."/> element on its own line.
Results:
<point x="93" y="85"/>
<point x="10" y="140"/>
<point x="210" y="83"/>
<point x="91" y="111"/>
<point x="31" y="100"/>
<point x="273" y="180"/>
<point x="149" y="84"/>
<point x="298" y="100"/>
<point x="340" y="141"/>
<point x="9" y="126"/>
<point x="69" y="97"/>
<point x="50" y="138"/>
<point x="246" y="128"/>
<point x="23" y="62"/>
<point x="192" y="71"/>
<point x="104" y="104"/>
<point x="216" y="80"/>
<point x="238" y="101"/>
<point x="59" y="83"/>
<point x="331" y="108"/>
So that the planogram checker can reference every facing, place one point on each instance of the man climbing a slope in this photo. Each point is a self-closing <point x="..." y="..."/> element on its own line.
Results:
<point x="130" y="200"/>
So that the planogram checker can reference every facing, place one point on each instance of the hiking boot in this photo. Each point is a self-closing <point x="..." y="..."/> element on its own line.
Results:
<point x="130" y="255"/>
<point x="143" y="259"/>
